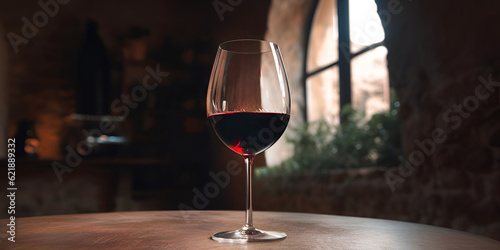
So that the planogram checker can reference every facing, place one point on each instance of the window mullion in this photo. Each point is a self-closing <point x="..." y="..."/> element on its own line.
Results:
<point x="344" y="54"/>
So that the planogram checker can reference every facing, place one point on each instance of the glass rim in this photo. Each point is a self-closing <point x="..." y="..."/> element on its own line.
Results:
<point x="223" y="46"/>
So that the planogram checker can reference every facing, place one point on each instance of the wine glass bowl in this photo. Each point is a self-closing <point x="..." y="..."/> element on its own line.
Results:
<point x="248" y="108"/>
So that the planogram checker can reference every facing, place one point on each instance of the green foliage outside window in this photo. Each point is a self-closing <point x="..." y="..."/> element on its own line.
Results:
<point x="320" y="147"/>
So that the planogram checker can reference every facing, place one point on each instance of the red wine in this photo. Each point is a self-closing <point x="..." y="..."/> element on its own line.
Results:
<point x="248" y="133"/>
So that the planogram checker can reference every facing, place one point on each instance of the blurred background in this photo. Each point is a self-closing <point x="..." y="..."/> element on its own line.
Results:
<point x="395" y="112"/>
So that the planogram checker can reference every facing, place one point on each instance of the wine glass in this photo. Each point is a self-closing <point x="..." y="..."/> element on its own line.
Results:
<point x="248" y="107"/>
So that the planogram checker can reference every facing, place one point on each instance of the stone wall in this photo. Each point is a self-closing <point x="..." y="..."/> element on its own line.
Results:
<point x="444" y="62"/>
<point x="365" y="193"/>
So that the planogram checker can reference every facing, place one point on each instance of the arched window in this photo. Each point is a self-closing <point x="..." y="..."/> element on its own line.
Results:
<point x="308" y="34"/>
<point x="345" y="60"/>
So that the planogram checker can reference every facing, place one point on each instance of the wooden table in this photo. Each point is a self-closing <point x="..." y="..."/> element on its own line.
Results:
<point x="172" y="230"/>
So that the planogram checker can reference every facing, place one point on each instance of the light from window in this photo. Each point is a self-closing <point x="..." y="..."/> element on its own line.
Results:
<point x="365" y="25"/>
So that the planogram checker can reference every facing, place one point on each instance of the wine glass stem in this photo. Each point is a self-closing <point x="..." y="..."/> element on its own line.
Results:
<point x="248" y="211"/>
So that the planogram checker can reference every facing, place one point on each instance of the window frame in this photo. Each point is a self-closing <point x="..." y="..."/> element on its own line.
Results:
<point x="344" y="52"/>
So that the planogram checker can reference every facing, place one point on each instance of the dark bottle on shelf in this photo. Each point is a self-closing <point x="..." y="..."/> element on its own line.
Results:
<point x="93" y="75"/>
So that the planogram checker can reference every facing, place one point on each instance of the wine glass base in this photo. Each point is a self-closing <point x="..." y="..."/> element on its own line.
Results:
<point x="247" y="235"/>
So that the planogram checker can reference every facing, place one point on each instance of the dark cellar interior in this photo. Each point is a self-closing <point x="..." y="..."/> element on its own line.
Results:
<point x="145" y="66"/>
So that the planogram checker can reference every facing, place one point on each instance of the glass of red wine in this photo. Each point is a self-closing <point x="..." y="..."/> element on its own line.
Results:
<point x="248" y="107"/>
